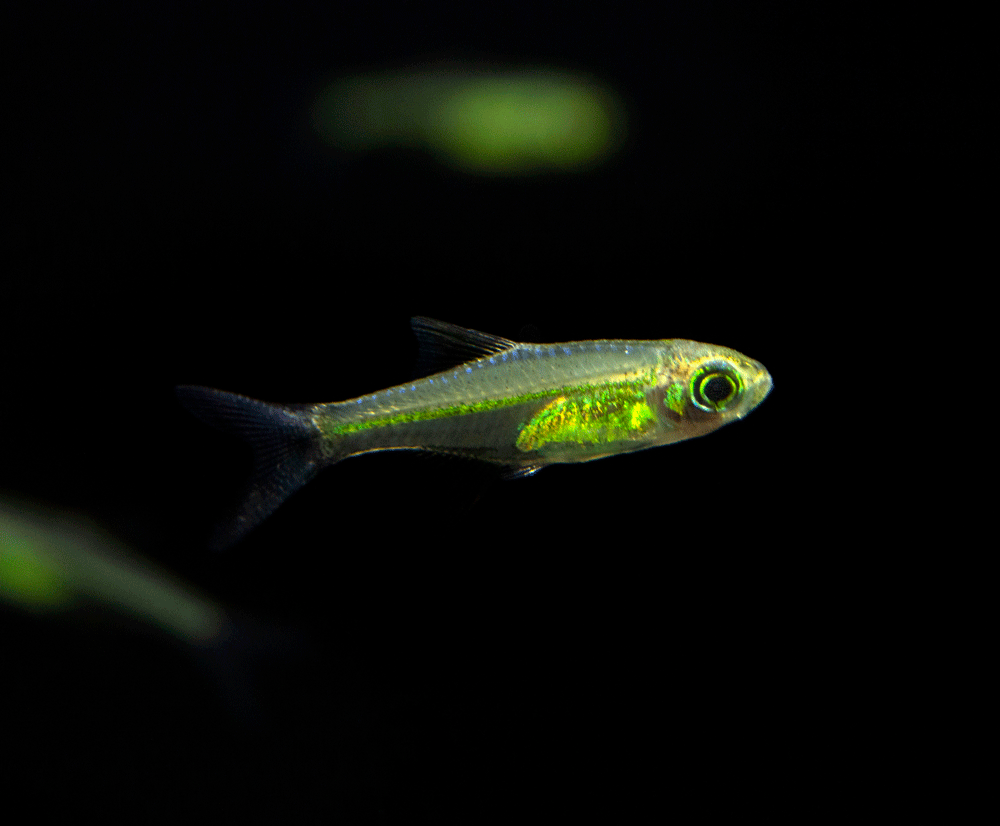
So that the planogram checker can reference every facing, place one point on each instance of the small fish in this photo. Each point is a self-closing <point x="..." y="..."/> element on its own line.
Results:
<point x="62" y="564"/>
<point x="519" y="406"/>
<point x="54" y="562"/>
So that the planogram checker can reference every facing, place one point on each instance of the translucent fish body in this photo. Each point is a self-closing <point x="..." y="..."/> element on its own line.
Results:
<point x="520" y="406"/>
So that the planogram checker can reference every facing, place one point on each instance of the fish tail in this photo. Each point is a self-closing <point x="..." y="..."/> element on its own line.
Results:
<point x="286" y="444"/>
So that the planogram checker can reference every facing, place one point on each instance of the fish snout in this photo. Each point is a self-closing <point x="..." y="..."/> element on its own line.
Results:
<point x="760" y="385"/>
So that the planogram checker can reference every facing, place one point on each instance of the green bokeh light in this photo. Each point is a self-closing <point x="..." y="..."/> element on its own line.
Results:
<point x="51" y="561"/>
<point x="520" y="127"/>
<point x="27" y="578"/>
<point x="499" y="123"/>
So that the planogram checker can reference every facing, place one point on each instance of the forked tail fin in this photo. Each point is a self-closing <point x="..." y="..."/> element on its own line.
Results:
<point x="286" y="447"/>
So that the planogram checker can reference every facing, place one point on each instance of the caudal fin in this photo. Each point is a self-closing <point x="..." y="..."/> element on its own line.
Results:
<point x="286" y="448"/>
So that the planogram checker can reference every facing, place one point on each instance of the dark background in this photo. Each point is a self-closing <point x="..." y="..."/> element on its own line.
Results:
<point x="656" y="632"/>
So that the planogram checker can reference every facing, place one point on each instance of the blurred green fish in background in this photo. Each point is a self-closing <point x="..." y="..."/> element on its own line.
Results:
<point x="519" y="406"/>
<point x="60" y="565"/>
<point x="52" y="562"/>
<point x="484" y="122"/>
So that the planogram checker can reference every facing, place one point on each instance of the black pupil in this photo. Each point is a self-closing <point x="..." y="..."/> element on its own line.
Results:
<point x="717" y="389"/>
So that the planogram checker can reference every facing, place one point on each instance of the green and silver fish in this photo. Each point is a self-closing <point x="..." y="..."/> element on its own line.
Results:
<point x="519" y="406"/>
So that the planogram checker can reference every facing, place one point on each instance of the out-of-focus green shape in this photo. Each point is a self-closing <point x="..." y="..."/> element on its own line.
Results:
<point x="51" y="562"/>
<point x="490" y="123"/>
<point x="27" y="578"/>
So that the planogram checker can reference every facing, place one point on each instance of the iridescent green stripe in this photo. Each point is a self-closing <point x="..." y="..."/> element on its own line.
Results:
<point x="332" y="429"/>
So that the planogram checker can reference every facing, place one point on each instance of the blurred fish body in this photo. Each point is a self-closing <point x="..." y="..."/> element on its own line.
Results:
<point x="50" y="562"/>
<point x="519" y="406"/>
<point x="482" y="121"/>
<point x="59" y="564"/>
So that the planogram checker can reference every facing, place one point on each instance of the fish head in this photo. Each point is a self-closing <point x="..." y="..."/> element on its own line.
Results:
<point x="701" y="387"/>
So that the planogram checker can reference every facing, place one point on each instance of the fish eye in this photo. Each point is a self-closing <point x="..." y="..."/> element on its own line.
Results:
<point x="715" y="387"/>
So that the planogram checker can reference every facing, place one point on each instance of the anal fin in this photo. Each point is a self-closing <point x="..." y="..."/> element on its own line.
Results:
<point x="520" y="471"/>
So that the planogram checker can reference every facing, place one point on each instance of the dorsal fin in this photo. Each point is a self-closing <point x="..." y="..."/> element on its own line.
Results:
<point x="442" y="345"/>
